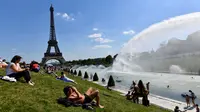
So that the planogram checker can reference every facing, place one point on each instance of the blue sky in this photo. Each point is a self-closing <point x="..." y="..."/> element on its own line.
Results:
<point x="84" y="28"/>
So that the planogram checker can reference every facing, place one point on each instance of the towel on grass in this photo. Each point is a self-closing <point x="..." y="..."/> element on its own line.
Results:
<point x="7" y="78"/>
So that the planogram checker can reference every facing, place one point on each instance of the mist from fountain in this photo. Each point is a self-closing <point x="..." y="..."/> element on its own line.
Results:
<point x="176" y="69"/>
<point x="125" y="67"/>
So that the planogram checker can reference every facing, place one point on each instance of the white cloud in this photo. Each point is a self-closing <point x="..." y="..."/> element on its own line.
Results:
<point x="95" y="29"/>
<point x="13" y="49"/>
<point x="101" y="46"/>
<point x="102" y="40"/>
<point x="95" y="35"/>
<point x="130" y="32"/>
<point x="58" y="14"/>
<point x="65" y="16"/>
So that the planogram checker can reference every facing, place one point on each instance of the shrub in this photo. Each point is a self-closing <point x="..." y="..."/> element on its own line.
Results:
<point x="86" y="75"/>
<point x="79" y="73"/>
<point x="75" y="73"/>
<point x="71" y="71"/>
<point x="111" y="82"/>
<point x="95" y="77"/>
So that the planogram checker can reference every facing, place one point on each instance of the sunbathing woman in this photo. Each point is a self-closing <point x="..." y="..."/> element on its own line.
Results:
<point x="74" y="95"/>
<point x="65" y="78"/>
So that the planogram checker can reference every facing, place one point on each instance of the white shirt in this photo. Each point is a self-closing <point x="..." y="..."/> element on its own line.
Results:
<point x="9" y="70"/>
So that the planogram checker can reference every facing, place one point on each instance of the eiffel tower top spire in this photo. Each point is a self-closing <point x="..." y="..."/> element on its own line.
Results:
<point x="51" y="8"/>
<point x="52" y="35"/>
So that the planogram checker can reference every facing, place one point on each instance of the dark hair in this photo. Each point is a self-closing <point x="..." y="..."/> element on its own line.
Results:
<point x="176" y="107"/>
<point x="15" y="58"/>
<point x="62" y="73"/>
<point x="133" y="82"/>
<point x="197" y="105"/>
<point x="66" y="90"/>
<point x="141" y="86"/>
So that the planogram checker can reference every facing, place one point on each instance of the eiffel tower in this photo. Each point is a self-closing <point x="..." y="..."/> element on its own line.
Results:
<point x="52" y="43"/>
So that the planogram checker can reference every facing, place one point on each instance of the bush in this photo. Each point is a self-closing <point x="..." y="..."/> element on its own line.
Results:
<point x="95" y="78"/>
<point x="111" y="82"/>
<point x="75" y="73"/>
<point x="79" y="73"/>
<point x="86" y="75"/>
<point x="71" y="71"/>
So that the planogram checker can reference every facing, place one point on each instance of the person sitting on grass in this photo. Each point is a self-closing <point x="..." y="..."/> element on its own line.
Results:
<point x="3" y="64"/>
<point x="65" y="78"/>
<point x="34" y="66"/>
<point x="72" y="94"/>
<point x="14" y="70"/>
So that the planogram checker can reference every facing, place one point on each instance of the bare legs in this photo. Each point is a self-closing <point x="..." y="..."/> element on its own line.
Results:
<point x="193" y="102"/>
<point x="94" y="94"/>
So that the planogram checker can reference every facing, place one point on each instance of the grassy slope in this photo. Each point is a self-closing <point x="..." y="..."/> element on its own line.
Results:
<point x="18" y="97"/>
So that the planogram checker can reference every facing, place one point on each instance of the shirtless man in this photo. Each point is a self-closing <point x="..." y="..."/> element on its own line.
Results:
<point x="74" y="95"/>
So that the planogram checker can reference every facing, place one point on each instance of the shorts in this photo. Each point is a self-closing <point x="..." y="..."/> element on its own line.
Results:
<point x="87" y="99"/>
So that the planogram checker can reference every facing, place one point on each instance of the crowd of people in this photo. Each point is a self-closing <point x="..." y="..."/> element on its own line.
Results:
<point x="14" y="70"/>
<point x="138" y="90"/>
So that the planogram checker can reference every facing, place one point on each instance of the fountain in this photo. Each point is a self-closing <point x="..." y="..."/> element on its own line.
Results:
<point x="176" y="69"/>
<point x="129" y="68"/>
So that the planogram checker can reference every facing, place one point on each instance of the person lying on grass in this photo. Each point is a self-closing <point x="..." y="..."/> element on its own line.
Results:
<point x="74" y="95"/>
<point x="3" y="64"/>
<point x="14" y="70"/>
<point x="64" y="78"/>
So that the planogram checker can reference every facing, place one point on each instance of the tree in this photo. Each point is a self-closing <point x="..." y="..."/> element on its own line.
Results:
<point x="111" y="82"/>
<point x="115" y="56"/>
<point x="199" y="71"/>
<point x="75" y="73"/>
<point x="95" y="77"/>
<point x="86" y="75"/>
<point x="109" y="59"/>
<point x="79" y="73"/>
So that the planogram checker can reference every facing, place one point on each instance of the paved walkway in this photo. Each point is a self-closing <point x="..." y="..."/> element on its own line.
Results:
<point x="169" y="103"/>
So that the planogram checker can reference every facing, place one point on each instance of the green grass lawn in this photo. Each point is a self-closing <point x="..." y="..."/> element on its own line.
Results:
<point x="21" y="97"/>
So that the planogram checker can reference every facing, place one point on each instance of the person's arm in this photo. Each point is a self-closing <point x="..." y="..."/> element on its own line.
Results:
<point x="76" y="91"/>
<point x="20" y="69"/>
<point x="14" y="68"/>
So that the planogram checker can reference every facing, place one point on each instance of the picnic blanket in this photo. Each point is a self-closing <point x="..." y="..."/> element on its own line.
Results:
<point x="64" y="101"/>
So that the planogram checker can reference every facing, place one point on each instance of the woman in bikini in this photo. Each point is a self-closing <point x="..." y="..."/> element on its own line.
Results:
<point x="74" y="95"/>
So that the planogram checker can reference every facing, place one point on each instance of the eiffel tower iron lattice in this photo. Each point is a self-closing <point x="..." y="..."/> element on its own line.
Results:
<point x="52" y="43"/>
